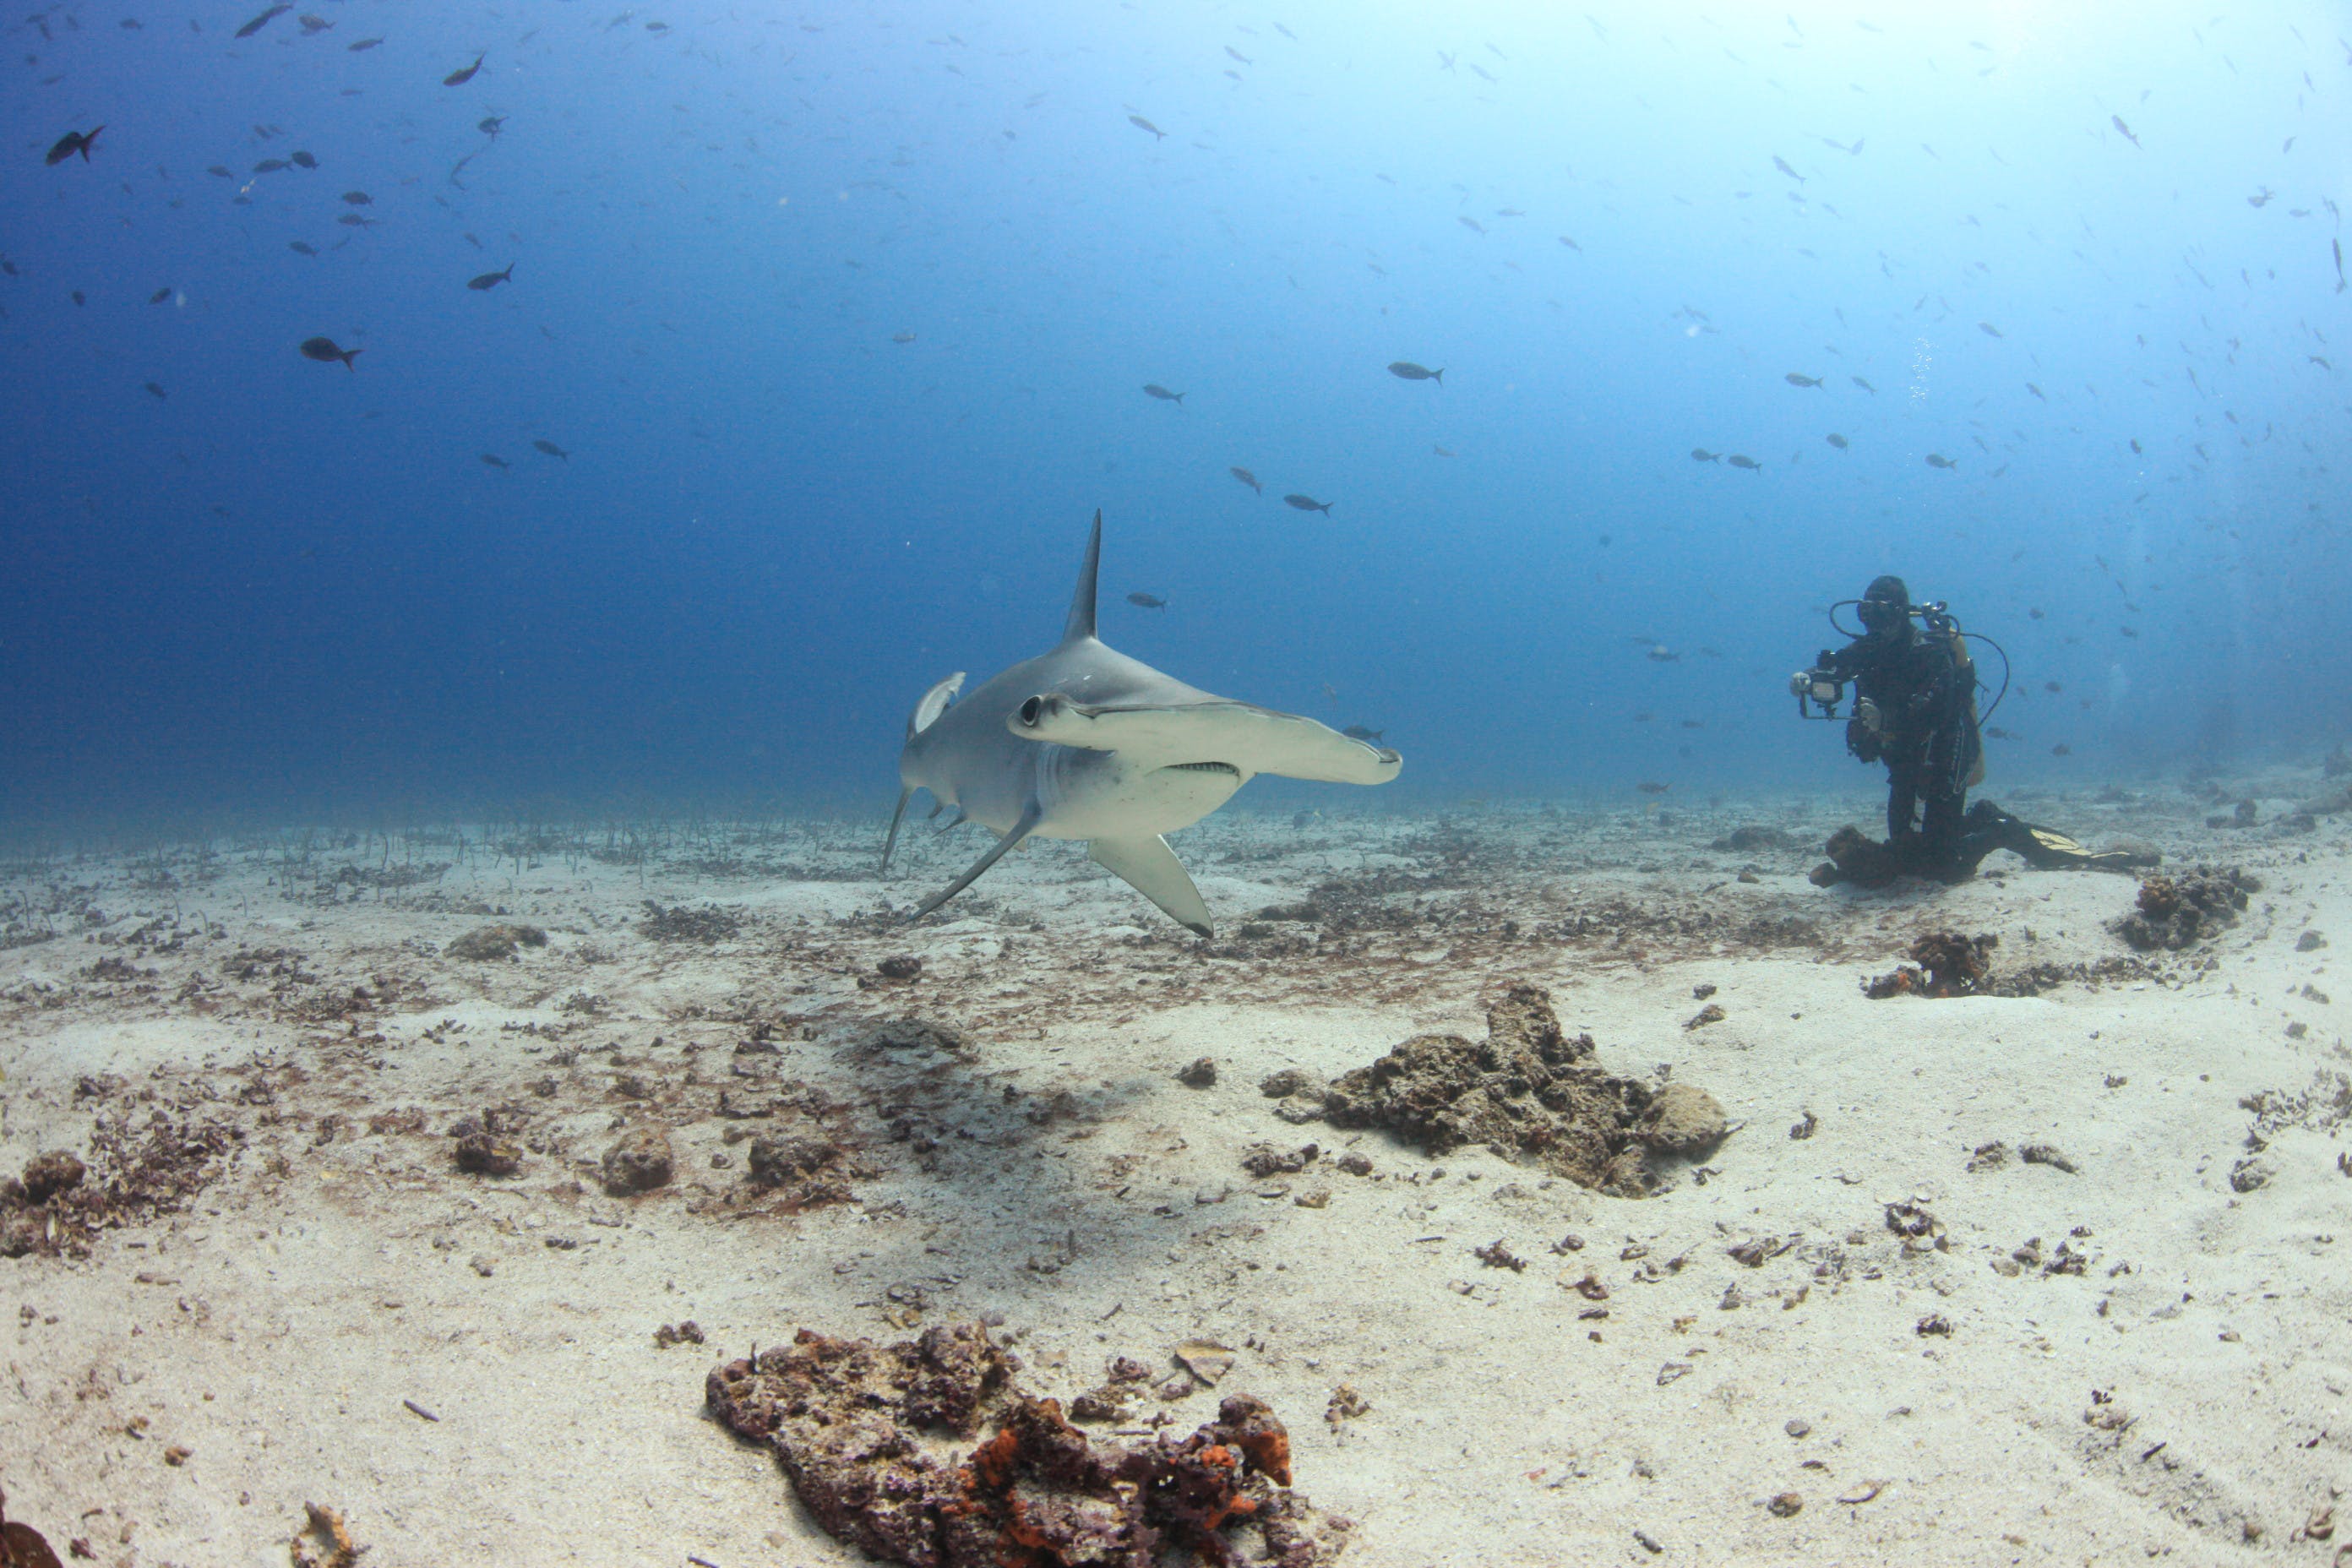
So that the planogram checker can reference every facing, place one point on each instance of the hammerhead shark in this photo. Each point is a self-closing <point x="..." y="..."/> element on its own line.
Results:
<point x="1083" y="741"/>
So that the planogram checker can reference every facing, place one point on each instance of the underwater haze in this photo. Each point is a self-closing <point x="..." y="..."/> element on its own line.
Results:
<point x="828" y="329"/>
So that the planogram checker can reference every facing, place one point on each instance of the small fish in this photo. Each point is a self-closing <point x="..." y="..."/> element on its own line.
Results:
<point x="353" y="220"/>
<point x="1994" y="732"/>
<point x="2036" y="390"/>
<point x="1742" y="460"/>
<point x="272" y="166"/>
<point x="301" y="248"/>
<point x="1701" y="455"/>
<point x="902" y="337"/>
<point x="313" y="23"/>
<point x="1142" y="124"/>
<point x="2261" y="198"/>
<point x="1248" y="479"/>
<point x="1659" y="653"/>
<point x="1651" y="786"/>
<point x="1480" y="71"/>
<point x="160" y="295"/>
<point x="77" y="297"/>
<point x="1239" y="55"/>
<point x="324" y="350"/>
<point x="2128" y="631"/>
<point x="2337" y="247"/>
<point x="301" y="160"/>
<point x="491" y="460"/>
<point x="1442" y="451"/>
<point x="262" y="21"/>
<point x="1309" y="503"/>
<point x="1863" y="384"/>
<point x="2053" y="686"/>
<point x="1793" y="379"/>
<point x="2118" y="122"/>
<point x="1285" y="32"/>
<point x="364" y="45"/>
<point x="358" y="199"/>
<point x="1359" y="733"/>
<point x="2033" y="614"/>
<point x="1472" y="223"/>
<point x="74" y="142"/>
<point x="491" y="279"/>
<point x="158" y="391"/>
<point x="1571" y="244"/>
<point x="552" y="449"/>
<point x="1834" y="439"/>
<point x="2138" y="448"/>
<point x="221" y="172"/>
<point x="1988" y="329"/>
<point x="2062" y="749"/>
<point x="460" y="78"/>
<point x="1782" y="164"/>
<point x="1509" y="212"/>
<point x="1147" y="601"/>
<point x="1153" y="389"/>
<point x="1937" y="460"/>
<point x="491" y="124"/>
<point x="2319" y="362"/>
<point x="1405" y="370"/>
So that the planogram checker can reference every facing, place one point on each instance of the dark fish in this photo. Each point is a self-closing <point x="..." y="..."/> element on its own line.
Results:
<point x="301" y="160"/>
<point x="1782" y="164"/>
<point x="491" y="279"/>
<point x="1142" y="124"/>
<point x="1571" y="244"/>
<point x="1863" y="384"/>
<point x="157" y="390"/>
<point x="1793" y="379"/>
<point x="77" y="297"/>
<point x="1405" y="370"/>
<point x="1937" y="460"/>
<point x="301" y="248"/>
<point x="2036" y="390"/>
<point x="1472" y="223"/>
<point x="2337" y="247"/>
<point x="74" y="142"/>
<point x="353" y="220"/>
<point x="1358" y="733"/>
<point x="262" y="21"/>
<point x="221" y="172"/>
<point x="1285" y="32"/>
<point x="490" y="125"/>
<point x="2126" y="130"/>
<point x="1153" y="389"/>
<point x="1742" y="460"/>
<point x="460" y="78"/>
<point x="2062" y="749"/>
<point x="1701" y="455"/>
<point x="1988" y="329"/>
<point x="1651" y="786"/>
<point x="1441" y="450"/>
<point x="364" y="45"/>
<point x="552" y="450"/>
<point x="358" y="199"/>
<point x="1834" y="439"/>
<point x="1480" y="71"/>
<point x="324" y="350"/>
<point x="493" y="460"/>
<point x="2138" y="448"/>
<point x="902" y="337"/>
<point x="1994" y="732"/>
<point x="1248" y="479"/>
<point x="313" y="23"/>
<point x="2033" y="614"/>
<point x="1309" y="503"/>
<point x="160" y="295"/>
<point x="271" y="166"/>
<point x="1147" y="601"/>
<point x="1239" y="55"/>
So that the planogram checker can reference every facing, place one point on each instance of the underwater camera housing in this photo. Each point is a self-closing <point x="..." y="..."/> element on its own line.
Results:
<point x="1816" y="688"/>
<point x="1820" y="688"/>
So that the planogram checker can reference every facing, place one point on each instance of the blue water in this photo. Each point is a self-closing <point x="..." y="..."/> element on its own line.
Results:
<point x="289" y="587"/>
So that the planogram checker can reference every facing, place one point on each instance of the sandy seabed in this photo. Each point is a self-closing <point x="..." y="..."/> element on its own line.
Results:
<point x="2127" y="1333"/>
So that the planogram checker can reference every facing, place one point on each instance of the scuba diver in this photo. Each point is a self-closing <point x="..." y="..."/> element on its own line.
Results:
<point x="1915" y="710"/>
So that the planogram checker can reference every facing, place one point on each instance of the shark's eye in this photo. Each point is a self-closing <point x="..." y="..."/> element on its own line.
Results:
<point x="1031" y="708"/>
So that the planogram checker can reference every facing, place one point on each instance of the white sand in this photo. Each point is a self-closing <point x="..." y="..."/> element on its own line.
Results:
<point x="274" y="1328"/>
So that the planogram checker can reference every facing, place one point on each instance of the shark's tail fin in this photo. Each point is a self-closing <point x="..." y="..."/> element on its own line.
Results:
<point x="1081" y="624"/>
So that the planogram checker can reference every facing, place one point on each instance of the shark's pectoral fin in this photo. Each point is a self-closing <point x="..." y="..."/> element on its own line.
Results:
<point x="1151" y="868"/>
<point x="1250" y="739"/>
<point x="1029" y="815"/>
<point x="934" y="703"/>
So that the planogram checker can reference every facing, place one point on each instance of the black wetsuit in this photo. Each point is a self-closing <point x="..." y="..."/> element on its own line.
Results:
<point x="1927" y="736"/>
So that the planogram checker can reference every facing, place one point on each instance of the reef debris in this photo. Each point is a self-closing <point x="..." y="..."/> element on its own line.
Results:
<point x="1531" y="1094"/>
<point x="486" y="945"/>
<point x="135" y="1171"/>
<point x="2179" y="911"/>
<point x="1943" y="964"/>
<point x="874" y="1438"/>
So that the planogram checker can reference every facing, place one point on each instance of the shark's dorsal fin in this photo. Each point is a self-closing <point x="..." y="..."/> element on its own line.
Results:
<point x="1081" y="624"/>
